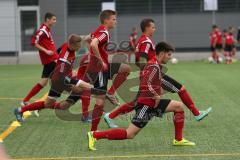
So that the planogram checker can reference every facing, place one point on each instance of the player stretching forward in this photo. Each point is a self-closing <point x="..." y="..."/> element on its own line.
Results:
<point x="43" y="41"/>
<point x="149" y="104"/>
<point x="99" y="70"/>
<point x="145" y="52"/>
<point x="59" y="83"/>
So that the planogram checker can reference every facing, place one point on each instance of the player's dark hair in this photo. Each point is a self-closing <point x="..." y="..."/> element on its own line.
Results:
<point x="164" y="47"/>
<point x="145" y="23"/>
<point x="106" y="14"/>
<point x="214" y="26"/>
<point x="49" y="15"/>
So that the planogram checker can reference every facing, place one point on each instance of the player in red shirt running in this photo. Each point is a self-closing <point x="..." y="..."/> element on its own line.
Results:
<point x="149" y="104"/>
<point x="99" y="70"/>
<point x="59" y="82"/>
<point x="145" y="52"/>
<point x="82" y="69"/>
<point x="43" y="41"/>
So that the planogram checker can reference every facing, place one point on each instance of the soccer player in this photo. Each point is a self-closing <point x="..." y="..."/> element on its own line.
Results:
<point x="43" y="41"/>
<point x="229" y="46"/>
<point x="145" y="52"/>
<point x="99" y="70"/>
<point x="149" y="104"/>
<point x="59" y="83"/>
<point x="234" y="51"/>
<point x="213" y="41"/>
<point x="133" y="39"/>
<point x="219" y="46"/>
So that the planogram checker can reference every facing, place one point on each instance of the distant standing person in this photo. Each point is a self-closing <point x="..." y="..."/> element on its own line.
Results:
<point x="133" y="38"/>
<point x="213" y="43"/>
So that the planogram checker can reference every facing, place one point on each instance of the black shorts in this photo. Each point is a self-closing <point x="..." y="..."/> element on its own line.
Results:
<point x="58" y="85"/>
<point x="73" y="98"/>
<point x="213" y="49"/>
<point x="219" y="46"/>
<point x="171" y="85"/>
<point x="228" y="48"/>
<point x="100" y="79"/>
<point x="145" y="113"/>
<point x="48" y="69"/>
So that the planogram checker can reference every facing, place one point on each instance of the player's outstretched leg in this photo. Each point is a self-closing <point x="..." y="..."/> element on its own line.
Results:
<point x="123" y="109"/>
<point x="112" y="134"/>
<point x="122" y="75"/>
<point x="187" y="100"/>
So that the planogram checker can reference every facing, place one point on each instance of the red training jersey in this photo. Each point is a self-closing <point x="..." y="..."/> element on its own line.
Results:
<point x="65" y="61"/>
<point x="102" y="34"/>
<point x="229" y="39"/>
<point x="43" y="37"/>
<point x="145" y="47"/>
<point x="150" y="83"/>
<point x="219" y="37"/>
<point x="213" y="38"/>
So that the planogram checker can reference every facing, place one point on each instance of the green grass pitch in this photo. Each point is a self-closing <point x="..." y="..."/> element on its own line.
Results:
<point x="217" y="137"/>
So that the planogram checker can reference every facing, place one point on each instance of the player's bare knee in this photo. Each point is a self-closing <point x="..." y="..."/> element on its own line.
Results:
<point x="43" y="82"/>
<point x="130" y="135"/>
<point x="100" y="100"/>
<point x="125" y="68"/>
<point x="179" y="107"/>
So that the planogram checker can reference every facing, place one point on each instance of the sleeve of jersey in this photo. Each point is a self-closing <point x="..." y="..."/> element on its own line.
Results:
<point x="102" y="37"/>
<point x="144" y="50"/>
<point x="153" y="74"/>
<point x="36" y="38"/>
<point x="59" y="49"/>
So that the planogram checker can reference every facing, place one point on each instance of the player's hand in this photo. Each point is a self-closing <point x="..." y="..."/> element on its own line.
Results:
<point x="157" y="97"/>
<point x="49" y="52"/>
<point x="105" y="66"/>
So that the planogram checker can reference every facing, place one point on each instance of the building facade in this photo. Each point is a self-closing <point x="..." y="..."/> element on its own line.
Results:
<point x="183" y="23"/>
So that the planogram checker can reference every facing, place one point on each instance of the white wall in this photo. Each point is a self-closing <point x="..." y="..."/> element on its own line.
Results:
<point x="8" y="32"/>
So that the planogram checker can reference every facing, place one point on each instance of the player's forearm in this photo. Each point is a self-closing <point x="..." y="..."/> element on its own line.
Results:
<point x="40" y="48"/>
<point x="96" y="51"/>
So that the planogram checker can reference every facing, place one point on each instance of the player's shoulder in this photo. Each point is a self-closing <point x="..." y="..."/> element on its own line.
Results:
<point x="145" y="39"/>
<point x="153" y="63"/>
<point x="101" y="29"/>
<point x="43" y="28"/>
<point x="64" y="45"/>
